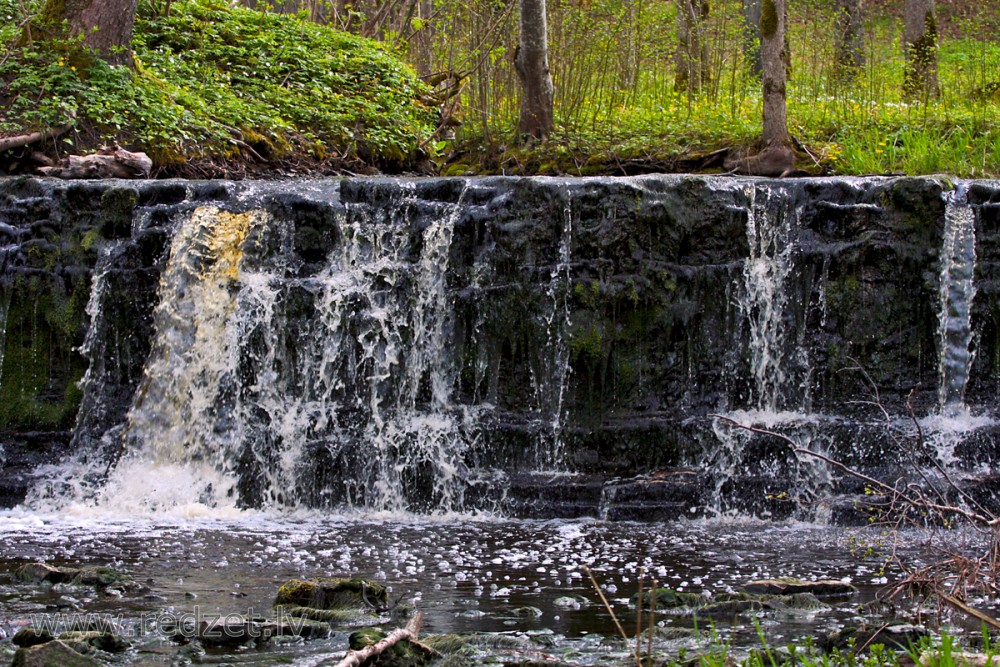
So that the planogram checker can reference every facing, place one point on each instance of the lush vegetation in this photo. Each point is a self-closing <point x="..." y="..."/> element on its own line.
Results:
<point x="618" y="108"/>
<point x="215" y="85"/>
<point x="215" y="88"/>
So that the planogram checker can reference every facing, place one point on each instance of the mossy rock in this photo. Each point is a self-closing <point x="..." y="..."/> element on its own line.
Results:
<point x="103" y="641"/>
<point x="28" y="637"/>
<point x="329" y="616"/>
<point x="296" y="627"/>
<point x="332" y="593"/>
<point x="52" y="654"/>
<point x="668" y="598"/>
<point x="41" y="573"/>
<point x="400" y="654"/>
<point x="102" y="578"/>
<point x="793" y="586"/>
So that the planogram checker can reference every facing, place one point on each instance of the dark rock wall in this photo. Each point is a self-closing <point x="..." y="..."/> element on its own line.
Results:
<point x="600" y="313"/>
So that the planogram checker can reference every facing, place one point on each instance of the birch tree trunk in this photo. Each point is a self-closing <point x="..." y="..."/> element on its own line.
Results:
<point x="920" y="43"/>
<point x="106" y="25"/>
<point x="532" y="65"/>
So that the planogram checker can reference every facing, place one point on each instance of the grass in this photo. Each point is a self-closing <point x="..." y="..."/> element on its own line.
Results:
<point x="216" y="84"/>
<point x="626" y="123"/>
<point x="217" y="88"/>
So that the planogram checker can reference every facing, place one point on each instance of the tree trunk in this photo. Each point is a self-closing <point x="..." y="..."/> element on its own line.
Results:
<point x="424" y="38"/>
<point x="692" y="56"/>
<point x="772" y="30"/>
<point x="920" y="40"/>
<point x="850" y="53"/>
<point x="106" y="25"/>
<point x="532" y="65"/>
<point x="751" y="36"/>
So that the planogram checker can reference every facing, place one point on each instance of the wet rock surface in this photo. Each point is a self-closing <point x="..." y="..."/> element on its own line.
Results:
<point x="55" y="653"/>
<point x="599" y="318"/>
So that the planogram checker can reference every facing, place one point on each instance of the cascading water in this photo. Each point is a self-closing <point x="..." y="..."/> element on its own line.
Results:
<point x="779" y="363"/>
<point x="947" y="429"/>
<point x="273" y="379"/>
<point x="261" y="380"/>
<point x="957" y="291"/>
<point x="550" y="380"/>
<point x="430" y="345"/>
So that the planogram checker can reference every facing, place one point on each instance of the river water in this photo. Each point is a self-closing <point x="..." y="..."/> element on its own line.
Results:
<point x="467" y="575"/>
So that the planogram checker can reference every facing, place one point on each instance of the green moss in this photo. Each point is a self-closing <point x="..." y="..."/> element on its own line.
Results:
<point x="41" y="362"/>
<point x="586" y="342"/>
<point x="331" y="593"/>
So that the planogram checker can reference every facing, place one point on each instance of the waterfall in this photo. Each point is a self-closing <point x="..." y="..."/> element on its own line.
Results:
<point x="957" y="290"/>
<point x="266" y="388"/>
<point x="550" y="382"/>
<point x="777" y="359"/>
<point x="951" y="426"/>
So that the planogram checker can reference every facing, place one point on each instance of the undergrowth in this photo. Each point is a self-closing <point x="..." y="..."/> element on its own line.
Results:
<point x="219" y="84"/>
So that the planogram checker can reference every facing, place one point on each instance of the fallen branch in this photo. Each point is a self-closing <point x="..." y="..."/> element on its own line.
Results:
<point x="409" y="633"/>
<point x="7" y="143"/>
<point x="971" y="611"/>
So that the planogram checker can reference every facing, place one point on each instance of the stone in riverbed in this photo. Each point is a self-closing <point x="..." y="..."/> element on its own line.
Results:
<point x="332" y="593"/>
<point x="99" y="578"/>
<point x="401" y="654"/>
<point x="52" y="654"/>
<point x="792" y="586"/>
<point x="668" y="598"/>
<point x="108" y="642"/>
<point x="28" y="637"/>
<point x="41" y="573"/>
<point x="296" y="627"/>
<point x="230" y="631"/>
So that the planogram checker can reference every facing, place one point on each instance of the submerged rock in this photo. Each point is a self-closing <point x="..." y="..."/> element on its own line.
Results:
<point x="728" y="604"/>
<point x="99" y="578"/>
<point x="668" y="598"/>
<point x="28" y="637"/>
<point x="901" y="636"/>
<point x="401" y="654"/>
<point x="571" y="602"/>
<point x="333" y="593"/>
<point x="296" y="627"/>
<point x="108" y="642"/>
<point x="230" y="631"/>
<point x="52" y="654"/>
<point x="792" y="586"/>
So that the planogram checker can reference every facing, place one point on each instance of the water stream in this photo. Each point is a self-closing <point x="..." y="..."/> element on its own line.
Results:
<point x="368" y="378"/>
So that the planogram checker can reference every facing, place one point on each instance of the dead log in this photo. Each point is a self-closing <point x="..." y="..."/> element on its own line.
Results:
<point x="409" y="633"/>
<point x="109" y="163"/>
<point x="7" y="143"/>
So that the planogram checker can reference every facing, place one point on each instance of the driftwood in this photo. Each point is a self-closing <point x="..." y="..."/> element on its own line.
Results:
<point x="7" y="143"/>
<point x="409" y="633"/>
<point x="108" y="163"/>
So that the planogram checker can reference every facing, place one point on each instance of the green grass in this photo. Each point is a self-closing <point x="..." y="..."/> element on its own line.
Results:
<point x="620" y="123"/>
<point x="217" y="83"/>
